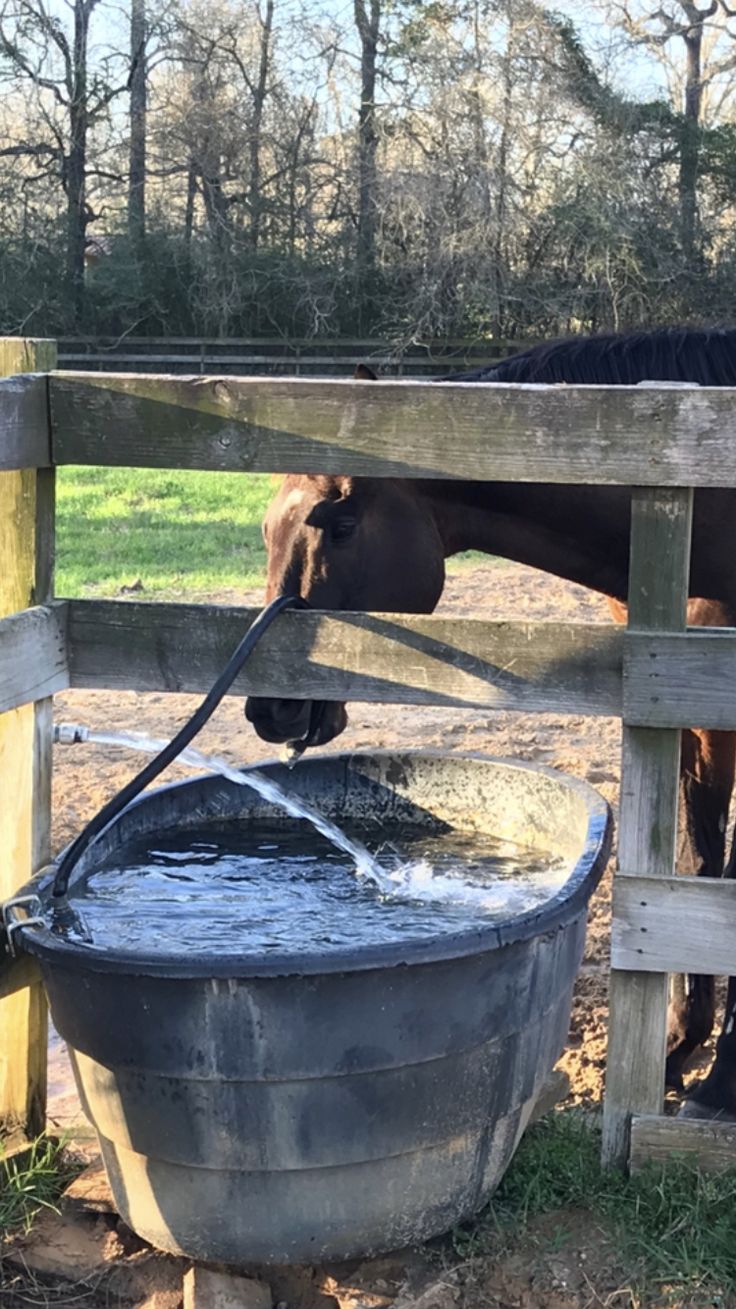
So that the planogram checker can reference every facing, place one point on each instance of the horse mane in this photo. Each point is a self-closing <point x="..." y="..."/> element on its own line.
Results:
<point x="669" y="354"/>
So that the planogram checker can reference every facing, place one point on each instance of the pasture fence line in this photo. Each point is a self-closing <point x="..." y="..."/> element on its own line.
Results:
<point x="286" y="356"/>
<point x="656" y="675"/>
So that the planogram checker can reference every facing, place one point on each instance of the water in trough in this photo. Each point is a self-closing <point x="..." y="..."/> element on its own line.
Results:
<point x="260" y="886"/>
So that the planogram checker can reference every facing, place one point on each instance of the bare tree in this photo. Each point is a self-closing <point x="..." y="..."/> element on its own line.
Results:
<point x="257" y="86"/>
<point x="54" y="61"/>
<point x="138" y="105"/>
<point x="368" y="24"/>
<point x="687" y="23"/>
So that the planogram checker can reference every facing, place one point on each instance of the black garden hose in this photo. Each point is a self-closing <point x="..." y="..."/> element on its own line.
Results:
<point x="178" y="743"/>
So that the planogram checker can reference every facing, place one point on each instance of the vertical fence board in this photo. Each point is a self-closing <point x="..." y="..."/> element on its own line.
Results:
<point x="26" y="550"/>
<point x="661" y="530"/>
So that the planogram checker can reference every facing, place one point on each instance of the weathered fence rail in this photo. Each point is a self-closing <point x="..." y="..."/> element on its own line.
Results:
<point x="304" y="357"/>
<point x="389" y="658"/>
<point x="656" y="675"/>
<point x="616" y="436"/>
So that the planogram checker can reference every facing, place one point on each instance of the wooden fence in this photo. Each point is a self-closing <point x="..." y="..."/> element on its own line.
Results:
<point x="656" y="675"/>
<point x="278" y="356"/>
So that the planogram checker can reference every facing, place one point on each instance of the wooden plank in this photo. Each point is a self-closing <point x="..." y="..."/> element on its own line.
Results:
<point x="369" y="345"/>
<point x="644" y="436"/>
<point x="32" y="655"/>
<point x="25" y="439"/>
<point x="245" y="361"/>
<point x="17" y="973"/>
<point x="554" y="667"/>
<point x="681" y="680"/>
<point x="661" y="533"/>
<point x="655" y="1139"/>
<point x="672" y="924"/>
<point x="26" y="538"/>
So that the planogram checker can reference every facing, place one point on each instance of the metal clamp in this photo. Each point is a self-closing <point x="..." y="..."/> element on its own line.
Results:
<point x="12" y="924"/>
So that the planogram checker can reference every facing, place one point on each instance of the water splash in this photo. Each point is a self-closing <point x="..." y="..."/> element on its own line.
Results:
<point x="401" y="880"/>
<point x="365" y="864"/>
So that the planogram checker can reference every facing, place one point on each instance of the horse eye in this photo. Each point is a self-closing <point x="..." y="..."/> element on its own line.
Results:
<point x="342" y="528"/>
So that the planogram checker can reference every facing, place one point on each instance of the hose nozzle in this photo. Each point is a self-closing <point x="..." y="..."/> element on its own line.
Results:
<point x="70" y="733"/>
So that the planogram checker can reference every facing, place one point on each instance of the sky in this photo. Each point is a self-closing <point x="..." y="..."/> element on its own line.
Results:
<point x="637" y="74"/>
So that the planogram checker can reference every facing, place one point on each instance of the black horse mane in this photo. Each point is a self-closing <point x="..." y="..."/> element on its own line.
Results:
<point x="670" y="354"/>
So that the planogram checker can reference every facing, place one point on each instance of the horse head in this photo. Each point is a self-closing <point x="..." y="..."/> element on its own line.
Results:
<point x="345" y="543"/>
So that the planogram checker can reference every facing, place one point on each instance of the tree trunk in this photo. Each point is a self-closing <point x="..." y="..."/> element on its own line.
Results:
<point x="690" y="142"/>
<point x="189" y="210"/>
<point x="500" y="216"/>
<point x="215" y="201"/>
<point x="481" y="161"/>
<point x="259" y="100"/>
<point x="76" y="165"/>
<point x="138" y="95"/>
<point x="367" y="21"/>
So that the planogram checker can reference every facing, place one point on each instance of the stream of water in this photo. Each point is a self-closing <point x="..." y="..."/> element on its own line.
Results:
<point x="268" y="884"/>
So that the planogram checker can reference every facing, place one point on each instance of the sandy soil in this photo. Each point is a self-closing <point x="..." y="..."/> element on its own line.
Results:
<point x="85" y="777"/>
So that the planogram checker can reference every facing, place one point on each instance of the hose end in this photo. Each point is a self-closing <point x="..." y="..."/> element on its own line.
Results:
<point x="70" y="733"/>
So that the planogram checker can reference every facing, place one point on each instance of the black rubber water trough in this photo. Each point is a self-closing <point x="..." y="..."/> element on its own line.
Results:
<point x="296" y="1108"/>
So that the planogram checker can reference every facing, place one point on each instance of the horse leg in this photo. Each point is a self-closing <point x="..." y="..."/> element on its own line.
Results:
<point x="706" y="782"/>
<point x="708" y="762"/>
<point x="715" y="1096"/>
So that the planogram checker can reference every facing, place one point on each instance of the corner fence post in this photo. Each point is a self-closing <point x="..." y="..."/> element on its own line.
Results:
<point x="26" y="578"/>
<point x="659" y="572"/>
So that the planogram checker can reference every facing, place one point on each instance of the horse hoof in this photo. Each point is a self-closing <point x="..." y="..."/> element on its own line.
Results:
<point x="692" y="1109"/>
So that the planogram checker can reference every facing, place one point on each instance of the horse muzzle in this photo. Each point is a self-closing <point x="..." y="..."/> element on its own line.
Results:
<point x="301" y="723"/>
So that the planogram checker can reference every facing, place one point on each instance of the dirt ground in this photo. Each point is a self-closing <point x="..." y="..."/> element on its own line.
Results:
<point x="84" y="777"/>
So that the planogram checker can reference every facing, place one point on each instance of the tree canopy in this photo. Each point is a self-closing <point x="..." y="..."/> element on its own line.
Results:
<point x="411" y="168"/>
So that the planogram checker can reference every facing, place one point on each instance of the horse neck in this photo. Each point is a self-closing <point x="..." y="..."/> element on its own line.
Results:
<point x="580" y="533"/>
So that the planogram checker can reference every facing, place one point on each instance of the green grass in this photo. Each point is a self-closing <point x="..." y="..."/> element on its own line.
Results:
<point x="31" y="1181"/>
<point x="672" y="1228"/>
<point x="674" y="1225"/>
<point x="175" y="533"/>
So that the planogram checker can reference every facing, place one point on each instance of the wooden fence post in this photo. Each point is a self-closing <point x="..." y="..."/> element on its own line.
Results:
<point x="661" y="529"/>
<point x="26" y="578"/>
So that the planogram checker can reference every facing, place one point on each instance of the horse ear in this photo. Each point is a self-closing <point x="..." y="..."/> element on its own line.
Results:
<point x="364" y="374"/>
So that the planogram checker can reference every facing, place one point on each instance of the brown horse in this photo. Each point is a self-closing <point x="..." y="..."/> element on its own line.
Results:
<point x="378" y="544"/>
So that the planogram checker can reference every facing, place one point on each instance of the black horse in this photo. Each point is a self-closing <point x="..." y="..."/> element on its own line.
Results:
<point x="380" y="544"/>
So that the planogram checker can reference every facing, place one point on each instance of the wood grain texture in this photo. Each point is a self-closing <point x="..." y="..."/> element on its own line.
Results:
<point x="659" y="1140"/>
<point x="626" y="436"/>
<point x="15" y="975"/>
<point x="661" y="531"/>
<point x="554" y="667"/>
<point x="671" y="924"/>
<point x="26" y="537"/>
<point x="25" y="436"/>
<point x="33" y="661"/>
<point x="681" y="680"/>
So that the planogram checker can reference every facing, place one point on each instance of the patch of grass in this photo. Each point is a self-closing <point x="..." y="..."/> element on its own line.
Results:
<point x="674" y="1225"/>
<point x="471" y="559"/>
<point x="175" y="532"/>
<point x="33" y="1180"/>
